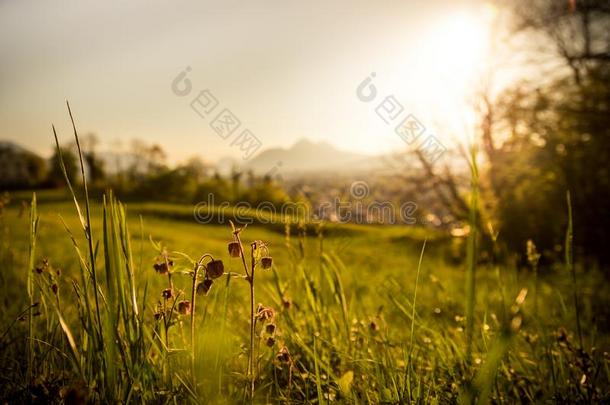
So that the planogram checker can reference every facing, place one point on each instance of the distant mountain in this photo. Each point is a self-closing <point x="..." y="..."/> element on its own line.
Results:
<point x="306" y="156"/>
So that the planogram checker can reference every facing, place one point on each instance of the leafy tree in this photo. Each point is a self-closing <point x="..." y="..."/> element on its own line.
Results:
<point x="55" y="176"/>
<point x="545" y="137"/>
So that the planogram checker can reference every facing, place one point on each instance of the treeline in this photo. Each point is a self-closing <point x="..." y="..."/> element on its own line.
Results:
<point x="140" y="174"/>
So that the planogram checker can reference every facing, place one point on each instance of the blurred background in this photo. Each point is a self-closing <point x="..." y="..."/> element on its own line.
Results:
<point x="321" y="90"/>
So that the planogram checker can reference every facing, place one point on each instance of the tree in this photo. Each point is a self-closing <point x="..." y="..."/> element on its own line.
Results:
<point x="55" y="176"/>
<point x="550" y="136"/>
<point x="95" y="166"/>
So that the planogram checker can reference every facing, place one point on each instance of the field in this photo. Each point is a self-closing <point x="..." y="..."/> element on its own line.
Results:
<point x="351" y="314"/>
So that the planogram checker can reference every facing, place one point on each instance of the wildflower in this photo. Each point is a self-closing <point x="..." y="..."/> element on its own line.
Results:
<point x="54" y="288"/>
<point x="266" y="261"/>
<point x="374" y="327"/>
<point x="215" y="269"/>
<point x="270" y="328"/>
<point x="264" y="313"/>
<point x="204" y="287"/>
<point x="163" y="267"/>
<point x="283" y="355"/>
<point x="270" y="341"/>
<point x="184" y="307"/>
<point x="234" y="249"/>
<point x="44" y="266"/>
<point x="167" y="293"/>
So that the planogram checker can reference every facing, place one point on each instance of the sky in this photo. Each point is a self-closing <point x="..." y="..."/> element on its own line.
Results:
<point x="287" y="70"/>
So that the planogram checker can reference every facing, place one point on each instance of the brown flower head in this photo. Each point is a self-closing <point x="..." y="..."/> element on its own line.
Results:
<point x="270" y="328"/>
<point x="266" y="261"/>
<point x="264" y="313"/>
<point x="270" y="341"/>
<point x="184" y="307"/>
<point x="167" y="293"/>
<point x="283" y="355"/>
<point x="234" y="249"/>
<point x="43" y="266"/>
<point x="204" y="287"/>
<point x="163" y="267"/>
<point x="215" y="269"/>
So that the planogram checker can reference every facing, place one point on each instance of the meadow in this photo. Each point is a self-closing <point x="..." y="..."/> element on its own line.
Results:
<point x="440" y="169"/>
<point x="345" y="313"/>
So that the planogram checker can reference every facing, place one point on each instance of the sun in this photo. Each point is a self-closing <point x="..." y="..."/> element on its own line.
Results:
<point x="454" y="57"/>
<point x="458" y="44"/>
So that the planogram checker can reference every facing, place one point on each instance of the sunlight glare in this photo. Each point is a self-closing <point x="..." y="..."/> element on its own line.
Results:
<point x="458" y="45"/>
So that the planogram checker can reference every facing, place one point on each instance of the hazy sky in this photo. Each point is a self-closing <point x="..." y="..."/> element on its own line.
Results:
<point x="286" y="69"/>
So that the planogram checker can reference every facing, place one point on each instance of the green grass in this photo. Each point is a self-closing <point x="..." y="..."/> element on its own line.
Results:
<point x="343" y="306"/>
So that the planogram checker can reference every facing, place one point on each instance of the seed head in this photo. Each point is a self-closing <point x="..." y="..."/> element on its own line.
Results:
<point x="204" y="287"/>
<point x="184" y="307"/>
<point x="266" y="261"/>
<point x="215" y="269"/>
<point x="234" y="249"/>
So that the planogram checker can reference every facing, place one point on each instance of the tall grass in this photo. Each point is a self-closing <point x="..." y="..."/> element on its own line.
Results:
<point x="471" y="253"/>
<point x="348" y="327"/>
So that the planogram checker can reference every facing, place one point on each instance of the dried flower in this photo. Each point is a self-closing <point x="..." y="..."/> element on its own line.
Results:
<point x="167" y="293"/>
<point x="234" y="249"/>
<point x="270" y="341"/>
<point x="204" y="287"/>
<point x="270" y="328"/>
<point x="184" y="307"/>
<point x="266" y="261"/>
<point x="215" y="269"/>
